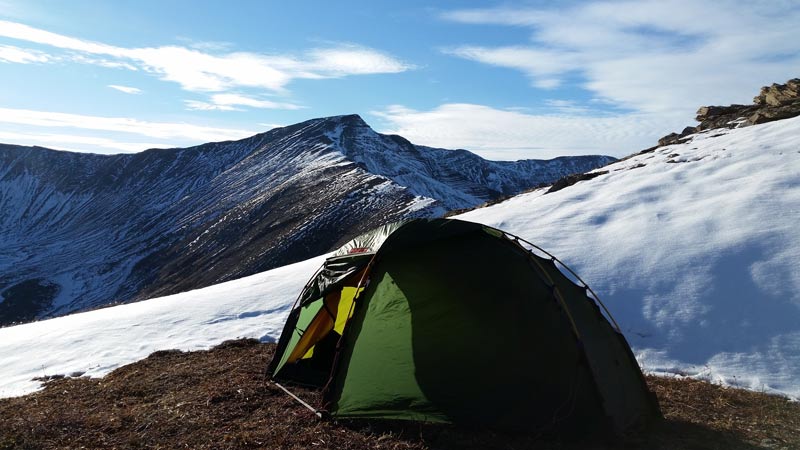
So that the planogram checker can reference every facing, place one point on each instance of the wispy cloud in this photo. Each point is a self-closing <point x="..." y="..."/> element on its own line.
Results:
<point x="229" y="102"/>
<point x="567" y="107"/>
<point x="201" y="71"/>
<point x="269" y="126"/>
<point x="23" y="32"/>
<point x="125" y="89"/>
<point x="11" y="54"/>
<point x="350" y="59"/>
<point x="158" y="130"/>
<point x="652" y="56"/>
<point x="78" y="143"/>
<point x="513" y="134"/>
<point x="208" y="46"/>
<point x="543" y="66"/>
<point x="95" y="61"/>
<point x="197" y="105"/>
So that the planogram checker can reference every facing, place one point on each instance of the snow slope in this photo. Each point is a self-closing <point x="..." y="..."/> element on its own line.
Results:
<point x="97" y="342"/>
<point x="694" y="247"/>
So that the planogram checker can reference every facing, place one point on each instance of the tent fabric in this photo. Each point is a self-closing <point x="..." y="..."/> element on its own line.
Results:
<point x="305" y="317"/>
<point x="333" y="274"/>
<point x="369" y="242"/>
<point x="460" y="324"/>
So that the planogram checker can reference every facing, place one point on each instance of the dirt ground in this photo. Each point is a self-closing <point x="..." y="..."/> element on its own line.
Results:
<point x="219" y="399"/>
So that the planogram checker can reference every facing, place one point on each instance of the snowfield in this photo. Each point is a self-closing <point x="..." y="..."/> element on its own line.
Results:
<point x="695" y="249"/>
<point x="99" y="341"/>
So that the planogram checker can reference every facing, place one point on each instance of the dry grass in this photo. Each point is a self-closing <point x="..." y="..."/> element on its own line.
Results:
<point x="766" y="421"/>
<point x="218" y="399"/>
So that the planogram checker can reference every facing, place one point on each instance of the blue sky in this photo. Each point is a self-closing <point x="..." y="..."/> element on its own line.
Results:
<point x="507" y="80"/>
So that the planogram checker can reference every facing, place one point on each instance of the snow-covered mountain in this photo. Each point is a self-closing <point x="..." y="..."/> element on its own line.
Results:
<point x="81" y="230"/>
<point x="694" y="247"/>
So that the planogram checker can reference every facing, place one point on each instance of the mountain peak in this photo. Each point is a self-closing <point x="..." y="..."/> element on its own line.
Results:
<point x="353" y="120"/>
<point x="328" y="124"/>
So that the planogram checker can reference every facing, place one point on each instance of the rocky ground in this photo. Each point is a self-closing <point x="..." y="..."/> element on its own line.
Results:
<point x="219" y="399"/>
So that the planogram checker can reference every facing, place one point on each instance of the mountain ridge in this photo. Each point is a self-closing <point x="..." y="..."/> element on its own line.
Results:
<point x="117" y="228"/>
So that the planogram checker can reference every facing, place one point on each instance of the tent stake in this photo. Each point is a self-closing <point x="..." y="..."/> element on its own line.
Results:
<point x="316" y="413"/>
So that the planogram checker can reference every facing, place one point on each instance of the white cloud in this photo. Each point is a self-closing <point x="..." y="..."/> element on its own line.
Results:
<point x="352" y="60"/>
<point x="229" y="102"/>
<point x="25" y="33"/>
<point x="199" y="71"/>
<point x="196" y="105"/>
<point x="125" y="89"/>
<point x="270" y="126"/>
<point x="18" y="55"/>
<point x="103" y="62"/>
<point x="158" y="130"/>
<point x="512" y="134"/>
<point x="543" y="66"/>
<point x="77" y="143"/>
<point x="213" y="46"/>
<point x="567" y="106"/>
<point x="652" y="56"/>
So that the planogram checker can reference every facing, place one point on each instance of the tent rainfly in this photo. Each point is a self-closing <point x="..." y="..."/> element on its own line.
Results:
<point x="455" y="322"/>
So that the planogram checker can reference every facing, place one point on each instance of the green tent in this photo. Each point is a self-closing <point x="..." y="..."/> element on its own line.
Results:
<point x="451" y="321"/>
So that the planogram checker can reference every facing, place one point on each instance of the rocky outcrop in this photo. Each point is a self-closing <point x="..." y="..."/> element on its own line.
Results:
<point x="779" y="94"/>
<point x="779" y="101"/>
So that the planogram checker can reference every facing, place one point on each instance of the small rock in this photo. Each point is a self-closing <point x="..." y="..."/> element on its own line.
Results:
<point x="671" y="138"/>
<point x="569" y="180"/>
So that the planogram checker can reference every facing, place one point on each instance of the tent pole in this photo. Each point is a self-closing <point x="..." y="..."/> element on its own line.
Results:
<point x="299" y="400"/>
<point x="589" y="288"/>
<point x="367" y="271"/>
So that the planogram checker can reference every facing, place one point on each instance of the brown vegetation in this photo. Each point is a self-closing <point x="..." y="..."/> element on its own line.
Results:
<point x="220" y="399"/>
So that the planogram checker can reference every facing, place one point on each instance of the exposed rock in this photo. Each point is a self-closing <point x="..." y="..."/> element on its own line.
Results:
<point x="775" y="113"/>
<point x="23" y="301"/>
<point x="776" y="102"/>
<point x="569" y="180"/>
<point x="711" y="117"/>
<point x="711" y="112"/>
<point x="669" y="139"/>
<point x="779" y="94"/>
<point x="674" y="138"/>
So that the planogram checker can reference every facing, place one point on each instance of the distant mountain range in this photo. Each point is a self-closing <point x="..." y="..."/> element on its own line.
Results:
<point x="81" y="230"/>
